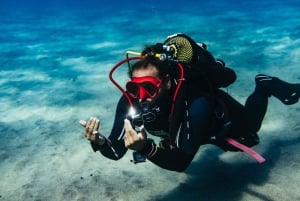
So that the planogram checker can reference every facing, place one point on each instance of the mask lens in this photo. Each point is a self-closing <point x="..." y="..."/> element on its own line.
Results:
<point x="150" y="88"/>
<point x="133" y="89"/>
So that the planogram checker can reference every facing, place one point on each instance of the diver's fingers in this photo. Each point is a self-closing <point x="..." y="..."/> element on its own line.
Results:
<point x="94" y="124"/>
<point x="88" y="125"/>
<point x="97" y="124"/>
<point x="127" y="125"/>
<point x="128" y="128"/>
<point x="143" y="132"/>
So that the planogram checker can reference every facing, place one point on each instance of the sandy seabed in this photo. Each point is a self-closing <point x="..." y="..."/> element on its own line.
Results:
<point x="55" y="72"/>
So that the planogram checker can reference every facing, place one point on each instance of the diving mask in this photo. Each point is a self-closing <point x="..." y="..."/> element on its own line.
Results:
<point x="143" y="87"/>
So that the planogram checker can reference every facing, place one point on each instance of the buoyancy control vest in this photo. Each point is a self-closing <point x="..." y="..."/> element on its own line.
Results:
<point x="203" y="74"/>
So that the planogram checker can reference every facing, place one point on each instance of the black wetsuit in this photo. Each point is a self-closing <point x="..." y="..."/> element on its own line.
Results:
<point x="201" y="122"/>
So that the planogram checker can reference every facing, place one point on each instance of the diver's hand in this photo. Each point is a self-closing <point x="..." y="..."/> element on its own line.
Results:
<point x="133" y="140"/>
<point x="91" y="130"/>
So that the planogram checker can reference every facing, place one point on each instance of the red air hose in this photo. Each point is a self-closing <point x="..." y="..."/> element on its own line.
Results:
<point x="115" y="83"/>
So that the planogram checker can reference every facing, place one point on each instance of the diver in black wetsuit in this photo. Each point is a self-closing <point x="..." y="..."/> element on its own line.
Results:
<point x="182" y="129"/>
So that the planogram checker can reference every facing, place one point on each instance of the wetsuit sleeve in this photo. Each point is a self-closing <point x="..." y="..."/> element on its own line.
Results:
<point x="192" y="134"/>
<point x="171" y="159"/>
<point x="114" y="147"/>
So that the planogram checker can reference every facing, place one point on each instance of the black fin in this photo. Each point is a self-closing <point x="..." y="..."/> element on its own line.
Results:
<point x="287" y="93"/>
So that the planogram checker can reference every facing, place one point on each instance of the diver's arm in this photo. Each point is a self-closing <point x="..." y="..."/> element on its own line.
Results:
<point x="114" y="147"/>
<point x="193" y="133"/>
<point x="171" y="159"/>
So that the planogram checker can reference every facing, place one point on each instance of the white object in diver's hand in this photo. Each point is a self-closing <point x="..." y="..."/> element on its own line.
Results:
<point x="82" y="123"/>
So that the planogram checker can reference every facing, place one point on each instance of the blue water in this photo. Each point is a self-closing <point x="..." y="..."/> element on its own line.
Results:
<point x="54" y="63"/>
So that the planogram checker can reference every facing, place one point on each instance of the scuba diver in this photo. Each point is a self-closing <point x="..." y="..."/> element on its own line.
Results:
<point x="174" y="93"/>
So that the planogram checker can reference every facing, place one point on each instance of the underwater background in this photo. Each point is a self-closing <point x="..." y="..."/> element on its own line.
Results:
<point x="54" y="63"/>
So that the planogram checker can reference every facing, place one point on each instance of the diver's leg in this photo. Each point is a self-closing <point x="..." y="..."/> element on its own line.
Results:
<point x="240" y="127"/>
<point x="256" y="107"/>
<point x="266" y="86"/>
